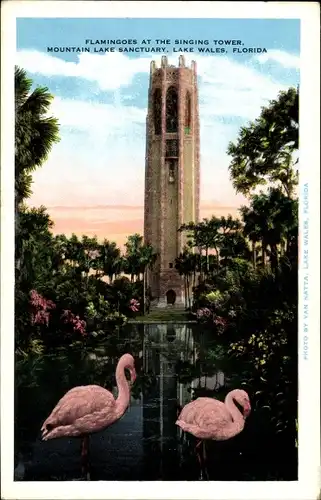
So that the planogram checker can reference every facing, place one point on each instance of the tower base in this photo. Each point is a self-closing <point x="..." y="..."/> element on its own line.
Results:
<point x="162" y="304"/>
<point x="169" y="289"/>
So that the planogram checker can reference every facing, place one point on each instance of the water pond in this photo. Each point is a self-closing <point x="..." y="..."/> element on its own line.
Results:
<point x="175" y="363"/>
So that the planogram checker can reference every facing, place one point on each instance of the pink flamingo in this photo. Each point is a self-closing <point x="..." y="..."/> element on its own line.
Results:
<point x="208" y="418"/>
<point x="90" y="408"/>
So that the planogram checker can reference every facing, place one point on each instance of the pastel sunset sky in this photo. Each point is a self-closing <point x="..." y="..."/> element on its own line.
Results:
<point x="93" y="181"/>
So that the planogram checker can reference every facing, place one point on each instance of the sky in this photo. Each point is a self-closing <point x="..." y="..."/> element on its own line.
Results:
<point x="93" y="180"/>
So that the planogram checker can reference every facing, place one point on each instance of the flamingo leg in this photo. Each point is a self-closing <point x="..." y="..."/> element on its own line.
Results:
<point x="201" y="456"/>
<point x="85" y="457"/>
<point x="205" y="460"/>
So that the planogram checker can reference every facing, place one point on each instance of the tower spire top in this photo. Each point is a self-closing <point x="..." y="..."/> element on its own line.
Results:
<point x="181" y="61"/>
<point x="164" y="62"/>
<point x="152" y="67"/>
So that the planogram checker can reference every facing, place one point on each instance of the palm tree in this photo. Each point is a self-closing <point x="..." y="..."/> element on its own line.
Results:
<point x="233" y="245"/>
<point x="74" y="251"/>
<point x="257" y="223"/>
<point x="60" y="249"/>
<point x="206" y="237"/>
<point x="198" y="237"/>
<point x="133" y="248"/>
<point x="283" y="212"/>
<point x="110" y="259"/>
<point x="252" y="231"/>
<point x="35" y="132"/>
<point x="215" y="237"/>
<point x="194" y="240"/>
<point x="185" y="266"/>
<point x="88" y="254"/>
<point x="147" y="260"/>
<point x="228" y="224"/>
<point x="139" y="258"/>
<point x="269" y="219"/>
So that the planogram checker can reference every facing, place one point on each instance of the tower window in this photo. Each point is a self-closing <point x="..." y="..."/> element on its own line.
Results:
<point x="187" y="124"/>
<point x="157" y="111"/>
<point x="171" y="110"/>
<point x="171" y="265"/>
<point x="171" y="171"/>
<point x="171" y="148"/>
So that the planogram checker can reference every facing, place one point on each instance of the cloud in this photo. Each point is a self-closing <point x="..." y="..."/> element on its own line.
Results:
<point x="231" y="89"/>
<point x="84" y="114"/>
<point x="281" y="57"/>
<point x="227" y="87"/>
<point x="110" y="71"/>
<point x="101" y="156"/>
<point x="121" y="208"/>
<point x="103" y="123"/>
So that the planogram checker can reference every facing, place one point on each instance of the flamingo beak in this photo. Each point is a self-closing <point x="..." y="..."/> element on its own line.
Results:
<point x="47" y="430"/>
<point x="44" y="432"/>
<point x="247" y="409"/>
<point x="132" y="375"/>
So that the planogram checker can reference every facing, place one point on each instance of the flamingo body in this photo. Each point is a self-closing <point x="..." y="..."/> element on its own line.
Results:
<point x="82" y="410"/>
<point x="87" y="409"/>
<point x="207" y="418"/>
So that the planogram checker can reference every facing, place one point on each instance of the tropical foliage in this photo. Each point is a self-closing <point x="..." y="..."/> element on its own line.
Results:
<point x="66" y="288"/>
<point x="247" y="268"/>
<point x="266" y="150"/>
<point x="240" y="274"/>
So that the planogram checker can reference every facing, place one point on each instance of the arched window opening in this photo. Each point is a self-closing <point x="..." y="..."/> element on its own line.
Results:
<point x="157" y="105"/>
<point x="188" y="113"/>
<point x="171" y="110"/>
<point x="170" y="297"/>
<point x="171" y="148"/>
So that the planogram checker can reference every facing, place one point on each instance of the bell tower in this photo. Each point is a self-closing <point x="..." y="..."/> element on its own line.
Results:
<point x="172" y="174"/>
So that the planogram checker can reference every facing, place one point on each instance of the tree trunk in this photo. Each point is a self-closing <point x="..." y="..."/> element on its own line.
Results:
<point x="17" y="229"/>
<point x="217" y="259"/>
<point x="263" y="254"/>
<point x="254" y="254"/>
<point x="207" y="262"/>
<point x="188" y="292"/>
<point x="185" y="290"/>
<point x="144" y="291"/>
<point x="200" y="263"/>
<point x="274" y="257"/>
<point x="194" y="278"/>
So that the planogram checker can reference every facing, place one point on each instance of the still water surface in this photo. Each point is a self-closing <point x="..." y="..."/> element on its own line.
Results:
<point x="173" y="367"/>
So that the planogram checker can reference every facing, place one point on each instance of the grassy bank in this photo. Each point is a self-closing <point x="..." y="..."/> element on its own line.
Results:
<point x="164" y="316"/>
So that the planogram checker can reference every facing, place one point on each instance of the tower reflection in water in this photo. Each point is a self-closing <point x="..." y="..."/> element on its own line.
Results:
<point x="165" y="346"/>
<point x="145" y="444"/>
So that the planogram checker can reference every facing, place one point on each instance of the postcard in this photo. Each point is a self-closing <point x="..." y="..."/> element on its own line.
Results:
<point x="159" y="251"/>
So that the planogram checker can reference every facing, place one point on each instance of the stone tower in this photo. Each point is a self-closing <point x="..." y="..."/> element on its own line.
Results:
<point x="172" y="175"/>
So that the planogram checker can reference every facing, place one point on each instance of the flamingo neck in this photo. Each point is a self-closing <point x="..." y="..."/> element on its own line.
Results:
<point x="123" y="398"/>
<point x="238" y="419"/>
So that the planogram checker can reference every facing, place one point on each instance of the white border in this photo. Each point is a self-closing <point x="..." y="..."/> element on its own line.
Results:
<point x="309" y="411"/>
